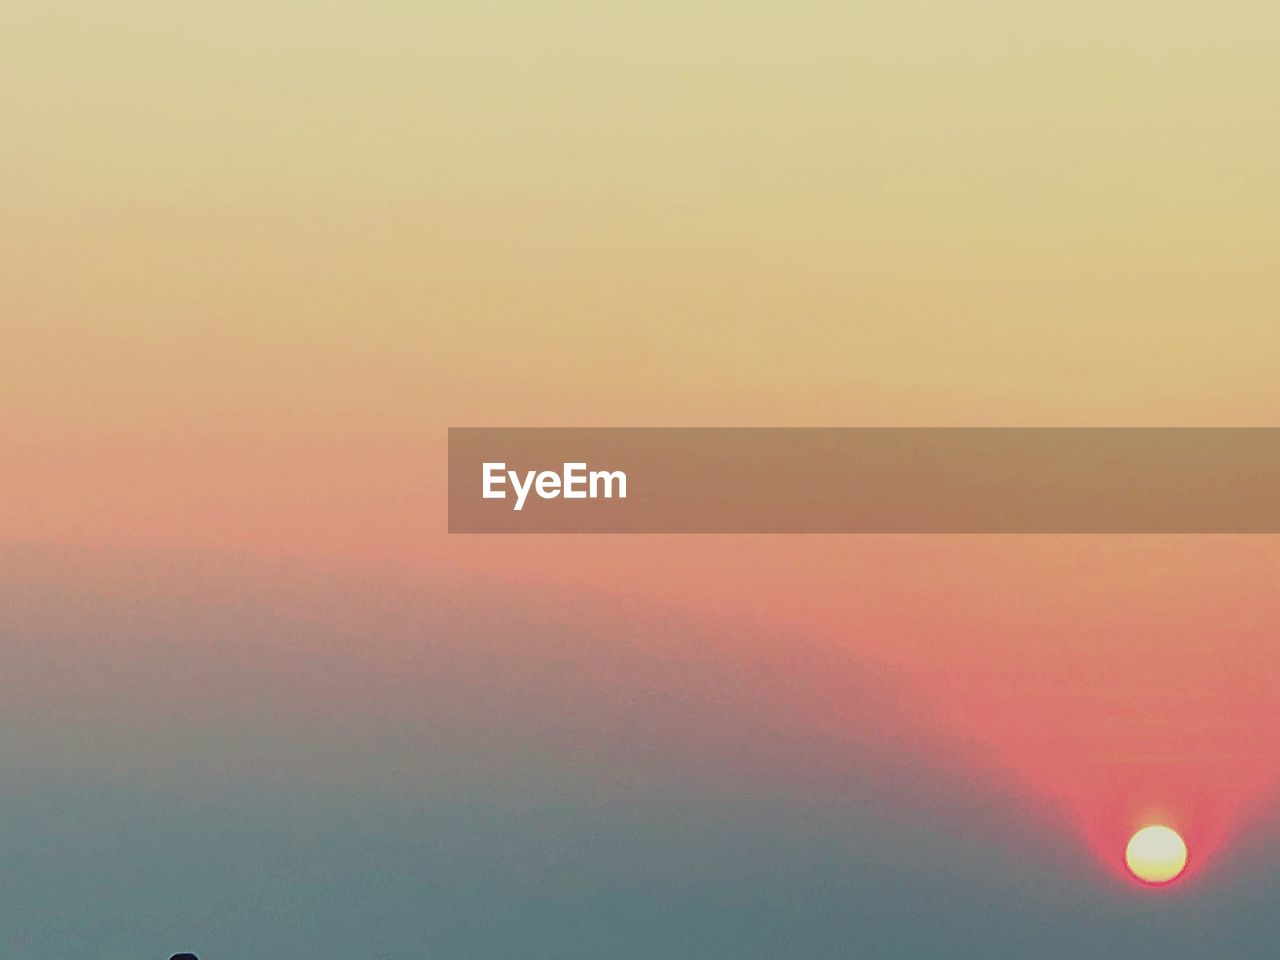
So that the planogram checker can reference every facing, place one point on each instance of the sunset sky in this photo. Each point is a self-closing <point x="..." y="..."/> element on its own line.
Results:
<point x="255" y="260"/>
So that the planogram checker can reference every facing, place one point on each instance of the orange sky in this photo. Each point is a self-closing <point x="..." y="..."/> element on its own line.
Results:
<point x="254" y="265"/>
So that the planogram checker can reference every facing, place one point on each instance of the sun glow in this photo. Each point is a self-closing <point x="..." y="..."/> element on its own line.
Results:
<point x="1156" y="855"/>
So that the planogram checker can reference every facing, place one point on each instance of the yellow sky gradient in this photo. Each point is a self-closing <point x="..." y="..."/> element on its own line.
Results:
<point x="271" y="250"/>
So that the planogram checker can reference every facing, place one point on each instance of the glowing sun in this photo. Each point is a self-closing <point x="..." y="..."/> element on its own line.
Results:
<point x="1156" y="855"/>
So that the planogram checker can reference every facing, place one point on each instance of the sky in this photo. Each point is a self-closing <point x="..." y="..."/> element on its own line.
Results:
<point x="257" y="258"/>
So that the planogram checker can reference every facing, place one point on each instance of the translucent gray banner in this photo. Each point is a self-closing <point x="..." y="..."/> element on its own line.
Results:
<point x="864" y="480"/>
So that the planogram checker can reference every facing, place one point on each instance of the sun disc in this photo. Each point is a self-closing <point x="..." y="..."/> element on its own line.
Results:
<point x="1156" y="855"/>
